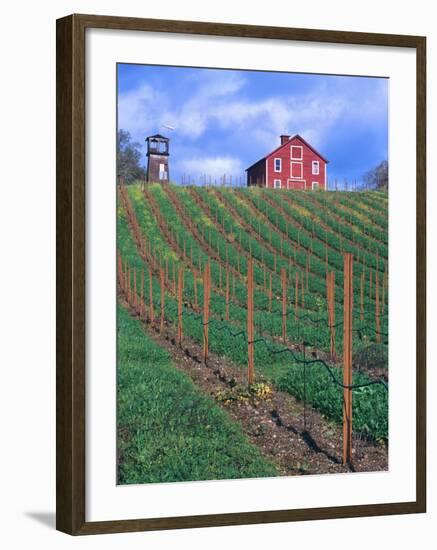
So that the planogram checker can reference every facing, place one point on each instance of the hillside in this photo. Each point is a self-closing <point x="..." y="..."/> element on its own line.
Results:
<point x="172" y="241"/>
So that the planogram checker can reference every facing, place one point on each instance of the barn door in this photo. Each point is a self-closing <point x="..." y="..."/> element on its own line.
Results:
<point x="296" y="184"/>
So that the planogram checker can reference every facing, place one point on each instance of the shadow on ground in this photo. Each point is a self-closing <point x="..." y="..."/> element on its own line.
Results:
<point x="45" y="518"/>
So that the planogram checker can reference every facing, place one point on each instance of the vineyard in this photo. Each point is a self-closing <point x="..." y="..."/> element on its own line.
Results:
<point x="252" y="332"/>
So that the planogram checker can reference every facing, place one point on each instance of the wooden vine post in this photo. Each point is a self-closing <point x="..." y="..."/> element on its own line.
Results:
<point x="162" y="281"/>
<point x="180" y="293"/>
<point x="128" y="285"/>
<point x="135" y="290"/>
<point x="174" y="278"/>
<point x="270" y="292"/>
<point x="122" y="276"/>
<point x="377" y="318"/>
<point x="125" y="277"/>
<point x="284" y="303"/>
<point x="330" y="291"/>
<point x="206" y="290"/>
<point x="347" y="358"/>
<point x="120" y="269"/>
<point x="303" y="291"/>
<point x="296" y="295"/>
<point x="151" y="310"/>
<point x="307" y="267"/>
<point x="250" y="332"/>
<point x="142" y="294"/>
<point x="362" y="296"/>
<point x="227" y="295"/>
<point x="195" y="287"/>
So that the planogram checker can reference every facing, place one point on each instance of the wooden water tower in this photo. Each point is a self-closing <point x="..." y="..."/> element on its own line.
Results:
<point x="157" y="159"/>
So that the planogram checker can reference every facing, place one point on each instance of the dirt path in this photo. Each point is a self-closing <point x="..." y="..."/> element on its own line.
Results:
<point x="297" y="438"/>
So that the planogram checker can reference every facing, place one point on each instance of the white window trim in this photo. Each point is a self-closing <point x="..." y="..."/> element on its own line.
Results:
<point x="291" y="171"/>
<point x="317" y="163"/>
<point x="296" y="147"/>
<point x="315" y="185"/>
<point x="280" y="164"/>
<point x="267" y="173"/>
<point x="275" y="182"/>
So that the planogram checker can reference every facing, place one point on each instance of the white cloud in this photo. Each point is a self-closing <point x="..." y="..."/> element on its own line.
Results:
<point x="265" y="120"/>
<point x="193" y="116"/>
<point x="211" y="166"/>
<point x="144" y="110"/>
<point x="219" y="83"/>
<point x="135" y="111"/>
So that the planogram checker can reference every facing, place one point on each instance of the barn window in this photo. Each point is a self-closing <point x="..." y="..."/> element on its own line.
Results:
<point x="278" y="165"/>
<point x="315" y="167"/>
<point x="315" y="185"/>
<point x="296" y="152"/>
<point x="277" y="184"/>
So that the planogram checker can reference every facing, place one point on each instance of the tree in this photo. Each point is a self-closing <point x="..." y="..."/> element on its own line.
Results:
<point x="377" y="178"/>
<point x="128" y="158"/>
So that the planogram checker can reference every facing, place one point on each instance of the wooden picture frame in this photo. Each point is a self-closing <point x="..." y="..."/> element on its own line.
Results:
<point x="71" y="283"/>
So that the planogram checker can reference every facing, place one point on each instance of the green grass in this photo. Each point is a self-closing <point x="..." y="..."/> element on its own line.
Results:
<point x="369" y="404"/>
<point x="167" y="429"/>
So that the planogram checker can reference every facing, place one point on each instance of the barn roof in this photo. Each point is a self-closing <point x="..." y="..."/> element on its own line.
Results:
<point x="282" y="145"/>
<point x="255" y="163"/>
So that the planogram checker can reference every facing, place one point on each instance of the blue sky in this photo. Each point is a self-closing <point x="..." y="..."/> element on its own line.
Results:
<point x="225" y="120"/>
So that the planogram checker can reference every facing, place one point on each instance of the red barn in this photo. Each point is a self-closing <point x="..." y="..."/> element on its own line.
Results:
<point x="295" y="164"/>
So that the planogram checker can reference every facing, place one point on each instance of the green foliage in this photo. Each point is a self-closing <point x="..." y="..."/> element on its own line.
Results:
<point x="377" y="178"/>
<point x="128" y="158"/>
<point x="369" y="404"/>
<point x="167" y="429"/>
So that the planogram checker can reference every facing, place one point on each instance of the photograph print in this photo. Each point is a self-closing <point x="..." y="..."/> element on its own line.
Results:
<point x="252" y="274"/>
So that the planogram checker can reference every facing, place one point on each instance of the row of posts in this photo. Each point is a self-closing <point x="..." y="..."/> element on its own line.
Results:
<point x="128" y="276"/>
<point x="347" y="337"/>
